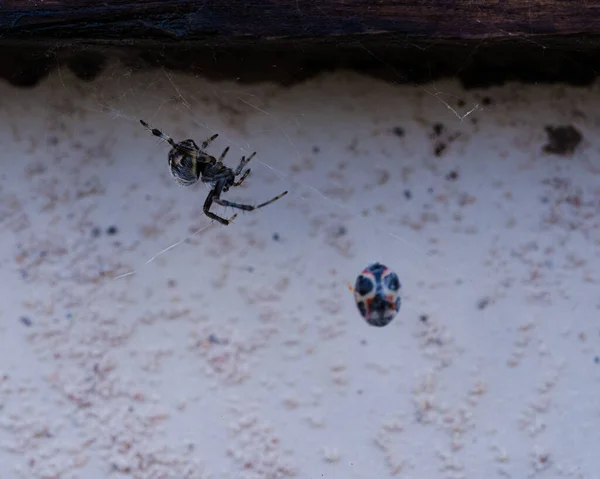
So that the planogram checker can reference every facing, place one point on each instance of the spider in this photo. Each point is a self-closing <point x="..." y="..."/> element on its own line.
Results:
<point x="188" y="164"/>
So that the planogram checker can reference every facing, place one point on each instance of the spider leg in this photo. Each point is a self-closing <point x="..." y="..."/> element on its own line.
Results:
<point x="167" y="138"/>
<point x="217" y="178"/>
<point x="220" y="160"/>
<point x="241" y="180"/>
<point x="275" y="198"/>
<point x="159" y="133"/>
<point x="205" y="143"/>
<point x="243" y="162"/>
<point x="214" y="196"/>
<point x="244" y="207"/>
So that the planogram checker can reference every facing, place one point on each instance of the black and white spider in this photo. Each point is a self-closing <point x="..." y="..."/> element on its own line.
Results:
<point x="188" y="164"/>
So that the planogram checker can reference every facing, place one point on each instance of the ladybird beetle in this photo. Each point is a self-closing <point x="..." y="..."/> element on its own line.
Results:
<point x="377" y="294"/>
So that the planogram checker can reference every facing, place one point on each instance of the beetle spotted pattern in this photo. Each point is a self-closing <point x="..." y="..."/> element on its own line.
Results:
<point x="377" y="294"/>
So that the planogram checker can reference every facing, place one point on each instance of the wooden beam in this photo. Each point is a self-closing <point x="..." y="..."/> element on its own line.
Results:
<point x="481" y="42"/>
<point x="124" y="21"/>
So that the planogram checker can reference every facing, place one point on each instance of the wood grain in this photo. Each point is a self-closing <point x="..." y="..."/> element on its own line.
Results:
<point x="125" y="20"/>
<point x="482" y="43"/>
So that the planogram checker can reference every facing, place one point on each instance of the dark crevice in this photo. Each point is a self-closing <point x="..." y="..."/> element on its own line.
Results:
<point x="476" y="64"/>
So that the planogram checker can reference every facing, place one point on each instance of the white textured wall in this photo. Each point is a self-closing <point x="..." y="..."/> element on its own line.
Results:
<point x="101" y="375"/>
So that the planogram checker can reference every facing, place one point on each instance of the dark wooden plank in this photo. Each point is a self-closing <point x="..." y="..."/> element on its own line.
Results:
<point x="126" y="20"/>
<point x="482" y="43"/>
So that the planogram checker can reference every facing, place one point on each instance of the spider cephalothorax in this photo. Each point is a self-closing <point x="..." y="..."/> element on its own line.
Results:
<point x="188" y="164"/>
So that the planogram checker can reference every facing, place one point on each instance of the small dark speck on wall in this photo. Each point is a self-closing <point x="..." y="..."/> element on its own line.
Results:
<point x="483" y="303"/>
<point x="398" y="131"/>
<point x="440" y="147"/>
<point x="452" y="176"/>
<point x="438" y="128"/>
<point x="562" y="140"/>
<point x="341" y="231"/>
<point x="112" y="230"/>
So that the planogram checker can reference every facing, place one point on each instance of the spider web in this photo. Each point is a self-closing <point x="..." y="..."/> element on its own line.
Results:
<point x="300" y="188"/>
<point x="359" y="191"/>
<point x="444" y="97"/>
<point x="188" y="107"/>
<point x="253" y="102"/>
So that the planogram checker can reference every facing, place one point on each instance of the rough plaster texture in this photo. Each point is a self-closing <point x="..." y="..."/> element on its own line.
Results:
<point x="239" y="352"/>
